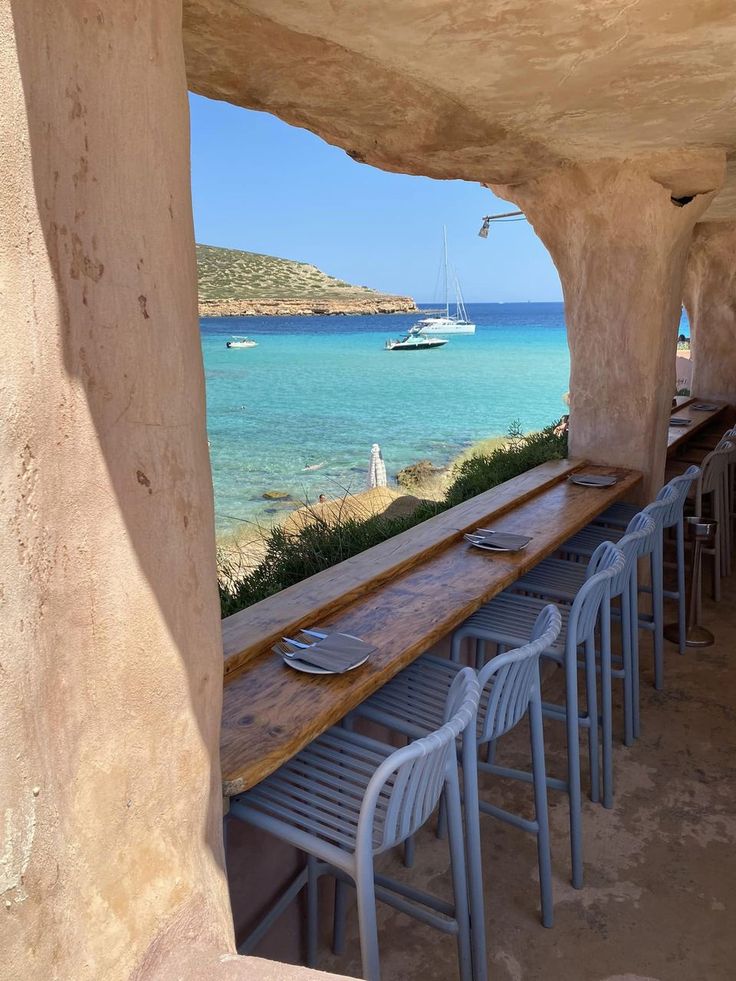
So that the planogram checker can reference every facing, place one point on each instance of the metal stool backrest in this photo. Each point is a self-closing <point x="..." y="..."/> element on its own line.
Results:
<point x="639" y="539"/>
<point x="509" y="679"/>
<point x="605" y="564"/>
<point x="680" y="485"/>
<point x="714" y="466"/>
<point x="406" y="787"/>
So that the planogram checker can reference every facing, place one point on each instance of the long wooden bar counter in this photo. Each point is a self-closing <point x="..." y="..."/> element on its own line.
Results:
<point x="677" y="436"/>
<point x="402" y="598"/>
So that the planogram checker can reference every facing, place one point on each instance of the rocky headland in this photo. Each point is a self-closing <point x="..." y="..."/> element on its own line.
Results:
<point x="307" y="307"/>
<point x="233" y="283"/>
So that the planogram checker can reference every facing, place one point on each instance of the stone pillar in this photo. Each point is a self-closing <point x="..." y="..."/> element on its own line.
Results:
<point x="110" y="655"/>
<point x="619" y="242"/>
<point x="710" y="300"/>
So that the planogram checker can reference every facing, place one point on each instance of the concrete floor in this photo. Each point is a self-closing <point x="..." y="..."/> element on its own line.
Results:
<point x="660" y="888"/>
<point x="659" y="900"/>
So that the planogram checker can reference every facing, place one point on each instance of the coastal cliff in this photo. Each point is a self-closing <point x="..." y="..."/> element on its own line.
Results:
<point x="246" y="284"/>
<point x="306" y="307"/>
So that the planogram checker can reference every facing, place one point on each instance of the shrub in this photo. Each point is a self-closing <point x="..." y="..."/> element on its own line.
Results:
<point x="520" y="453"/>
<point x="293" y="556"/>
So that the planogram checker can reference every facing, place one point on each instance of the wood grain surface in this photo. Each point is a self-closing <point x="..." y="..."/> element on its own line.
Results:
<point x="252" y="631"/>
<point x="270" y="711"/>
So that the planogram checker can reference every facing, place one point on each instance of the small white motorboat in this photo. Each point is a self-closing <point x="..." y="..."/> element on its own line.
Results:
<point x="241" y="342"/>
<point x="414" y="341"/>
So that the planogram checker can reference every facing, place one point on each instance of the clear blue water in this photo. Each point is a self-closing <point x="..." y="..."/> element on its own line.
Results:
<point x="322" y="390"/>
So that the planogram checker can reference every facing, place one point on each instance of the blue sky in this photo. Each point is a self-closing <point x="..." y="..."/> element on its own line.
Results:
<point x="263" y="186"/>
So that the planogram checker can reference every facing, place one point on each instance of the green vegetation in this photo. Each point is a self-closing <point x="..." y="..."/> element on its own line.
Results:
<point x="293" y="556"/>
<point x="228" y="274"/>
<point x="516" y="455"/>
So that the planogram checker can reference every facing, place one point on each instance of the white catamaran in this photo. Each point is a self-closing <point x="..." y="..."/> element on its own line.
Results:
<point x="448" y="324"/>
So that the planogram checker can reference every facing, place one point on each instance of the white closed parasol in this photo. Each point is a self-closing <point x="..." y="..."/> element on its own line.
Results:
<point x="377" y="468"/>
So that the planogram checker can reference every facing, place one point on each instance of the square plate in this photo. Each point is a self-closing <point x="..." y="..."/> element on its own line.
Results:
<point x="592" y="480"/>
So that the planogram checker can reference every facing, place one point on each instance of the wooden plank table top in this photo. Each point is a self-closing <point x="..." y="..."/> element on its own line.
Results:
<point x="679" y="435"/>
<point x="271" y="712"/>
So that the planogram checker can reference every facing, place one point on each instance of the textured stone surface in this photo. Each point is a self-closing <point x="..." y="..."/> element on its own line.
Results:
<point x="110" y="657"/>
<point x="620" y="244"/>
<point x="710" y="299"/>
<point x="483" y="91"/>
<point x="306" y="307"/>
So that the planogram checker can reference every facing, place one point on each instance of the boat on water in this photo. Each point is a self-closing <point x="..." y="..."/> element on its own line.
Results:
<point x="241" y="342"/>
<point x="413" y="341"/>
<point x="456" y="323"/>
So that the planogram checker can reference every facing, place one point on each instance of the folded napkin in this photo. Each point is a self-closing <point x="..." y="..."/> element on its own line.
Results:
<point x="592" y="479"/>
<point x="679" y="421"/>
<point x="335" y="652"/>
<point x="497" y="541"/>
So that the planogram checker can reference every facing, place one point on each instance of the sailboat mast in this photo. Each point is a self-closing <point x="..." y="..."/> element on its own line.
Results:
<point x="447" y="283"/>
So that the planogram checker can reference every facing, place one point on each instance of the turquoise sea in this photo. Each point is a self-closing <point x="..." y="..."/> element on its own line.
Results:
<point x="322" y="390"/>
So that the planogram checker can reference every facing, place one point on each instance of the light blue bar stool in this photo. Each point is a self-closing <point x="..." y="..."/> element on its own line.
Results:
<point x="345" y="799"/>
<point x="729" y="510"/>
<point x="508" y="620"/>
<point x="561" y="579"/>
<point x="618" y="516"/>
<point x="411" y="703"/>
<point x="672" y="499"/>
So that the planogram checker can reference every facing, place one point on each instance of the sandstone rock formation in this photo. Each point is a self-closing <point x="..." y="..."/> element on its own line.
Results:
<point x="307" y="307"/>
<point x="523" y="88"/>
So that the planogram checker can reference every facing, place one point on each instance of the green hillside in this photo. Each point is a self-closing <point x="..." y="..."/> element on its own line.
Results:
<point x="228" y="274"/>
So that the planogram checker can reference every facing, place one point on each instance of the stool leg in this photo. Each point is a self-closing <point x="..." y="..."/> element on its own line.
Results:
<point x="459" y="879"/>
<point x="606" y="704"/>
<point x="367" y="926"/>
<point x="442" y="818"/>
<point x="573" y="763"/>
<point x="635" y="691"/>
<point x="626" y="640"/>
<point x="312" y="910"/>
<point x="681" y="597"/>
<point x="339" y="919"/>
<point x="473" y="852"/>
<point x="539" y="776"/>
<point x="658" y="615"/>
<point x="591" y="698"/>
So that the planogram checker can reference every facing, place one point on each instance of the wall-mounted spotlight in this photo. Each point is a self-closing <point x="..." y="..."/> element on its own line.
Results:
<point x="489" y="218"/>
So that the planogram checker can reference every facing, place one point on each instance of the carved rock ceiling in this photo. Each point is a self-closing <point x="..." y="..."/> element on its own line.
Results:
<point x="486" y="90"/>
